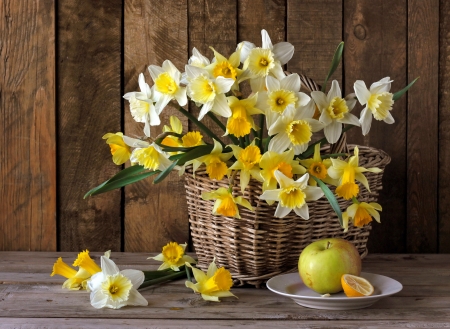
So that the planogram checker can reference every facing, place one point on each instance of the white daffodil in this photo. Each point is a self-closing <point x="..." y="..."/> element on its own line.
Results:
<point x="294" y="128"/>
<point x="207" y="91"/>
<point x="265" y="60"/>
<point x="292" y="195"/>
<point x="279" y="95"/>
<point x="113" y="288"/>
<point x="167" y="85"/>
<point x="334" y="111"/>
<point x="141" y="106"/>
<point x="198" y="60"/>
<point x="151" y="156"/>
<point x="378" y="101"/>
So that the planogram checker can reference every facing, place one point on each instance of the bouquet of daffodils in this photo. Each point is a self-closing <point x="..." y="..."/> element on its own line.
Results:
<point x="271" y="131"/>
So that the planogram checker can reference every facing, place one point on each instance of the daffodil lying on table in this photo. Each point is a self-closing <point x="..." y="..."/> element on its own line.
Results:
<point x="276" y="108"/>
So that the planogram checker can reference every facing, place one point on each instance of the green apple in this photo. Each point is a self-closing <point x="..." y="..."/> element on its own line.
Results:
<point x="322" y="263"/>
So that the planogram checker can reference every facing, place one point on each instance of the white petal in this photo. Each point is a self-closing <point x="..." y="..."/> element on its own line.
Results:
<point x="333" y="132"/>
<point x="136" y="299"/>
<point x="261" y="103"/>
<point x="223" y="85"/>
<point x="108" y="266"/>
<point x="281" y="211"/>
<point x="271" y="117"/>
<point x="306" y="111"/>
<point x="313" y="193"/>
<point x="361" y="91"/>
<point x="335" y="91"/>
<point x="351" y="102"/>
<point x="389" y="119"/>
<point x="270" y="195"/>
<point x="278" y="126"/>
<point x="136" y="277"/>
<point x="147" y="126"/>
<point x="283" y="52"/>
<point x="154" y="117"/>
<point x="350" y="119"/>
<point x="245" y="47"/>
<point x="258" y="84"/>
<point x="98" y="299"/>
<point x="194" y="71"/>
<point x="316" y="125"/>
<point x="283" y="180"/>
<point x="291" y="82"/>
<point x="304" y="99"/>
<point x="320" y="99"/>
<point x="181" y="97"/>
<point x="384" y="85"/>
<point x="277" y="71"/>
<point x="172" y="70"/>
<point x="155" y="71"/>
<point x="266" y="42"/>
<point x="365" y="120"/>
<point x="325" y="118"/>
<point x="162" y="103"/>
<point x="279" y="143"/>
<point x="272" y="83"/>
<point x="221" y="106"/>
<point x="96" y="281"/>
<point x="141" y="82"/>
<point x="303" y="211"/>
<point x="205" y="109"/>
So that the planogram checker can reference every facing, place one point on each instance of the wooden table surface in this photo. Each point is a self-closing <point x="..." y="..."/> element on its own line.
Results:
<point x="30" y="298"/>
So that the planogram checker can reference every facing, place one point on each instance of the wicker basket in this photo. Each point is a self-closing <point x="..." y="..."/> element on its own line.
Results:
<point x="259" y="246"/>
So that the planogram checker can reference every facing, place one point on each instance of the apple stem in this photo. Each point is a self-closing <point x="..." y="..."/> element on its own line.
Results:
<point x="328" y="245"/>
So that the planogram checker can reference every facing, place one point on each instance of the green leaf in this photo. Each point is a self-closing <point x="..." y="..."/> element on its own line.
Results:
<point x="334" y="63"/>
<point x="400" y="93"/>
<point x="176" y="149"/>
<point x="195" y="153"/>
<point x="331" y="198"/>
<point x="164" y="173"/>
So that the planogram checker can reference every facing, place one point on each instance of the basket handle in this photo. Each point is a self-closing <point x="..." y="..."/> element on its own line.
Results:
<point x="341" y="145"/>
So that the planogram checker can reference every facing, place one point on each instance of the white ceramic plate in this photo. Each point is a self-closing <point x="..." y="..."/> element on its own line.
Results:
<point x="291" y="285"/>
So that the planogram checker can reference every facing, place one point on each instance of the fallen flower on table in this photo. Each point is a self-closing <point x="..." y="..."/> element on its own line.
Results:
<point x="113" y="288"/>
<point x="76" y="280"/>
<point x="212" y="285"/>
<point x="173" y="256"/>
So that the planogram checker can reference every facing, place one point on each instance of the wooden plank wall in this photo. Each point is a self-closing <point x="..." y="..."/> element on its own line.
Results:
<point x="64" y="68"/>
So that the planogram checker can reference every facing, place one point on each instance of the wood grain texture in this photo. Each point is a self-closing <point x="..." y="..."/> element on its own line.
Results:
<point x="89" y="74"/>
<point x="27" y="126"/>
<point x="444" y="127"/>
<point x="212" y="24"/>
<point x="155" y="31"/>
<point x="315" y="30"/>
<point x="375" y="47"/>
<point x="422" y="129"/>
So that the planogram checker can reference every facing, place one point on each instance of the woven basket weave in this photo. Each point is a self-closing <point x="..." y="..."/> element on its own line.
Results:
<point x="259" y="246"/>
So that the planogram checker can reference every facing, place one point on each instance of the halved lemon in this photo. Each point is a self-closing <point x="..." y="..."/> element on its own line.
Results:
<point x="356" y="286"/>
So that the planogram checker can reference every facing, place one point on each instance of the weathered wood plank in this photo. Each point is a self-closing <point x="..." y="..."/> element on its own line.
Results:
<point x="376" y="47"/>
<point x="422" y="129"/>
<point x="315" y="30"/>
<point x="89" y="69"/>
<point x="27" y="126"/>
<point x="154" y="31"/>
<point x="444" y="127"/>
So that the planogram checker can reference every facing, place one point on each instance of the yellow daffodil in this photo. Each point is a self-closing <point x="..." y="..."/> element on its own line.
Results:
<point x="151" y="157"/>
<point x="215" y="283"/>
<point x="120" y="151"/>
<point x="279" y="95"/>
<point x="167" y="85"/>
<point x="175" y="127"/>
<point x="334" y="111"/>
<point x="265" y="60"/>
<point x="318" y="168"/>
<point x="226" y="204"/>
<point x="85" y="261"/>
<point x="141" y="106"/>
<point x="361" y="214"/>
<point x="378" y="101"/>
<point x="215" y="162"/>
<point x="292" y="195"/>
<point x="173" y="256"/>
<point x="241" y="121"/>
<point x="284" y="162"/>
<point x="208" y="91"/>
<point x="347" y="172"/>
<point x="113" y="288"/>
<point x="294" y="129"/>
<point x="247" y="162"/>
<point x="191" y="139"/>
<point x="76" y="280"/>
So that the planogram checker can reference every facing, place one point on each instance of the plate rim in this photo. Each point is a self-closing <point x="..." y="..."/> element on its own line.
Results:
<point x="364" y="298"/>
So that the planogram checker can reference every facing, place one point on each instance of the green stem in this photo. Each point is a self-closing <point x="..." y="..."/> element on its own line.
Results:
<point x="222" y="126"/>
<point x="201" y="125"/>
<point x="242" y="142"/>
<point x="169" y="277"/>
<point x="260" y="135"/>
<point x="355" y="201"/>
<point x="247" y="140"/>
<point x="188" y="273"/>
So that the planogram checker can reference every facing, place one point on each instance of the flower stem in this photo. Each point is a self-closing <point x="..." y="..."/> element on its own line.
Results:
<point x="168" y="277"/>
<point x="260" y="135"/>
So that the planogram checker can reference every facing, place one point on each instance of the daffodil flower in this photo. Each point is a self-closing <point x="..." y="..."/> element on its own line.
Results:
<point x="167" y="85"/>
<point x="294" y="129"/>
<point x="226" y="204"/>
<point x="265" y="60"/>
<point x="113" y="288"/>
<point x="334" y="111"/>
<point x="215" y="283"/>
<point x="85" y="261"/>
<point x="216" y="166"/>
<point x="284" y="162"/>
<point x="173" y="256"/>
<point x="378" y="101"/>
<point x="279" y="95"/>
<point x="175" y="127"/>
<point x="318" y="168"/>
<point x="292" y="195"/>
<point x="76" y="280"/>
<point x="207" y="91"/>
<point x="151" y="157"/>
<point x="361" y="214"/>
<point x="347" y="173"/>
<point x="248" y="163"/>
<point x="198" y="60"/>
<point x="241" y="121"/>
<point x="141" y="106"/>
<point x="120" y="151"/>
<point x="227" y="68"/>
